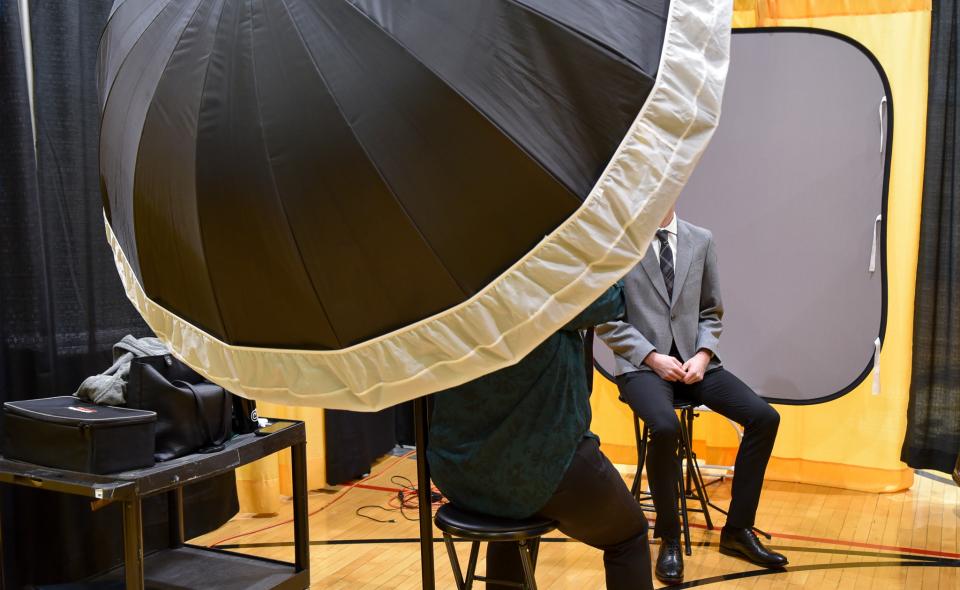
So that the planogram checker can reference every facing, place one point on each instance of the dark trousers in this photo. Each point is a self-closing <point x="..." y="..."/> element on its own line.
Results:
<point x="652" y="399"/>
<point x="593" y="505"/>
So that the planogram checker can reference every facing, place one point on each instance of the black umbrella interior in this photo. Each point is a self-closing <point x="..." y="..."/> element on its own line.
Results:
<point x="314" y="173"/>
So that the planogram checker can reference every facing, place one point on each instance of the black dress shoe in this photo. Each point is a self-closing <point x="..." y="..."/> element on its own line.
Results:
<point x="743" y="543"/>
<point x="670" y="562"/>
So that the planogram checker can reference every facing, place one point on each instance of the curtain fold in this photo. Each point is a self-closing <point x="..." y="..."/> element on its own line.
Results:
<point x="354" y="440"/>
<point x="62" y="304"/>
<point x="261" y="485"/>
<point x="18" y="189"/>
<point x="17" y="176"/>
<point x="933" y="421"/>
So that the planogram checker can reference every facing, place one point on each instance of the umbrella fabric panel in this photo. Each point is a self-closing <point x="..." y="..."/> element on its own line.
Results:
<point x="633" y="29"/>
<point x="253" y="259"/>
<point x="247" y="230"/>
<point x="478" y="200"/>
<point x="127" y="21"/>
<point x="563" y="273"/>
<point x="128" y="98"/>
<point x="555" y="81"/>
<point x="373" y="267"/>
<point x="169" y="222"/>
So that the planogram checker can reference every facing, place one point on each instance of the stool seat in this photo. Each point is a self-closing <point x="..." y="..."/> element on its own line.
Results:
<point x="677" y="404"/>
<point x="479" y="528"/>
<point x="482" y="527"/>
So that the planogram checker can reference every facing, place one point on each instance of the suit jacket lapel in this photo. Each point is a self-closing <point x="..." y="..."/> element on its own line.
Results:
<point x="651" y="266"/>
<point x="683" y="257"/>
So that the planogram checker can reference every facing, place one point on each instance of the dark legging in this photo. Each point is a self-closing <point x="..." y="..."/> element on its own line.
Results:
<point x="592" y="505"/>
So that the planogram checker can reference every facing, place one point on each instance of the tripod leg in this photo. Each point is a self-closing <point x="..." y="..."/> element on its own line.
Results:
<point x="693" y="470"/>
<point x="641" y="455"/>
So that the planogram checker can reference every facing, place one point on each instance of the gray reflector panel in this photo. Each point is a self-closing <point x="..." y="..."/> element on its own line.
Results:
<point x="791" y="187"/>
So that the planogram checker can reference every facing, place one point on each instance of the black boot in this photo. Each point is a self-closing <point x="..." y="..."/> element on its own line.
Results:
<point x="670" y="562"/>
<point x="743" y="543"/>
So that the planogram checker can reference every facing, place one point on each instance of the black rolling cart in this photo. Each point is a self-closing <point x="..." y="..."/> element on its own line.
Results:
<point x="184" y="565"/>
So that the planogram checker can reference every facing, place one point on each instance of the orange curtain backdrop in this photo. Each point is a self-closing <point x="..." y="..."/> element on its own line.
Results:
<point x="771" y="13"/>
<point x="261" y="485"/>
<point x="852" y="442"/>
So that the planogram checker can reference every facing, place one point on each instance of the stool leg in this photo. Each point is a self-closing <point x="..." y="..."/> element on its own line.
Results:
<point x="693" y="471"/>
<point x="530" y="582"/>
<point x="472" y="564"/>
<point x="684" y="518"/>
<point x="682" y="491"/>
<point x="636" y="434"/>
<point x="534" y="551"/>
<point x="702" y="494"/>
<point x="688" y="416"/>
<point x="454" y="562"/>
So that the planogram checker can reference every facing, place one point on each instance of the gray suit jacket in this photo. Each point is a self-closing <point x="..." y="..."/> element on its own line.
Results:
<point x="692" y="318"/>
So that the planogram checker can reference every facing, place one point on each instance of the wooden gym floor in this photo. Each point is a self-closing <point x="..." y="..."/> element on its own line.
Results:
<point x="833" y="538"/>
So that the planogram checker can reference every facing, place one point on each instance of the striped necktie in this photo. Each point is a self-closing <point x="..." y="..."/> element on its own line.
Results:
<point x="666" y="260"/>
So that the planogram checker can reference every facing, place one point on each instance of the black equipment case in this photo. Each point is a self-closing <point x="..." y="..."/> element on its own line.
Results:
<point x="68" y="433"/>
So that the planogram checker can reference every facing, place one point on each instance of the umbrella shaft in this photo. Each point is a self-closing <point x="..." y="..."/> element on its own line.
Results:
<point x="420" y="419"/>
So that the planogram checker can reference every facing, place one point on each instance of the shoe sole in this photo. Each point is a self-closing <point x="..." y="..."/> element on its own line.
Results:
<point x="737" y="554"/>
<point x="669" y="581"/>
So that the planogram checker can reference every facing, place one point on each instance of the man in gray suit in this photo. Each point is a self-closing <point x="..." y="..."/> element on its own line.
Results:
<point x="667" y="348"/>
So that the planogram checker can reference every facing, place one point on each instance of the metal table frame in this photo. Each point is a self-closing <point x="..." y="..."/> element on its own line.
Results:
<point x="131" y="487"/>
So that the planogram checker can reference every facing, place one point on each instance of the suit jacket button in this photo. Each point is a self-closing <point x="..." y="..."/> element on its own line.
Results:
<point x="673" y="316"/>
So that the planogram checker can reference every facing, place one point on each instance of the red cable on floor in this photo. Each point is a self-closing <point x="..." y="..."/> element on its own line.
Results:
<point x="360" y="484"/>
<point x="339" y="496"/>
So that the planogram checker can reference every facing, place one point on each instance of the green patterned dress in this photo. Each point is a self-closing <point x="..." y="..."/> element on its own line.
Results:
<point x="500" y="444"/>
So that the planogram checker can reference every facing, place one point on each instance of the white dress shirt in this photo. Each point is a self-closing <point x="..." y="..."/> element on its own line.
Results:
<point x="671" y="239"/>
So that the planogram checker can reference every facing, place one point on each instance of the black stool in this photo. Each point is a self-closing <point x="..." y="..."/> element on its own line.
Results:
<point x="689" y="487"/>
<point x="478" y="528"/>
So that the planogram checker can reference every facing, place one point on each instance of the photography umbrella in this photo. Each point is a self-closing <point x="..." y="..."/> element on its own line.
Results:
<point x="354" y="203"/>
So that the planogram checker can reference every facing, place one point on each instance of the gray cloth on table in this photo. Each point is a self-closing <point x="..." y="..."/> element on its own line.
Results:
<point x="109" y="388"/>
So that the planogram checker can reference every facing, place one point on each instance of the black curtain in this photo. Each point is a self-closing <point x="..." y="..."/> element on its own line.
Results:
<point x="354" y="440"/>
<point x="933" y="423"/>
<point x="61" y="303"/>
